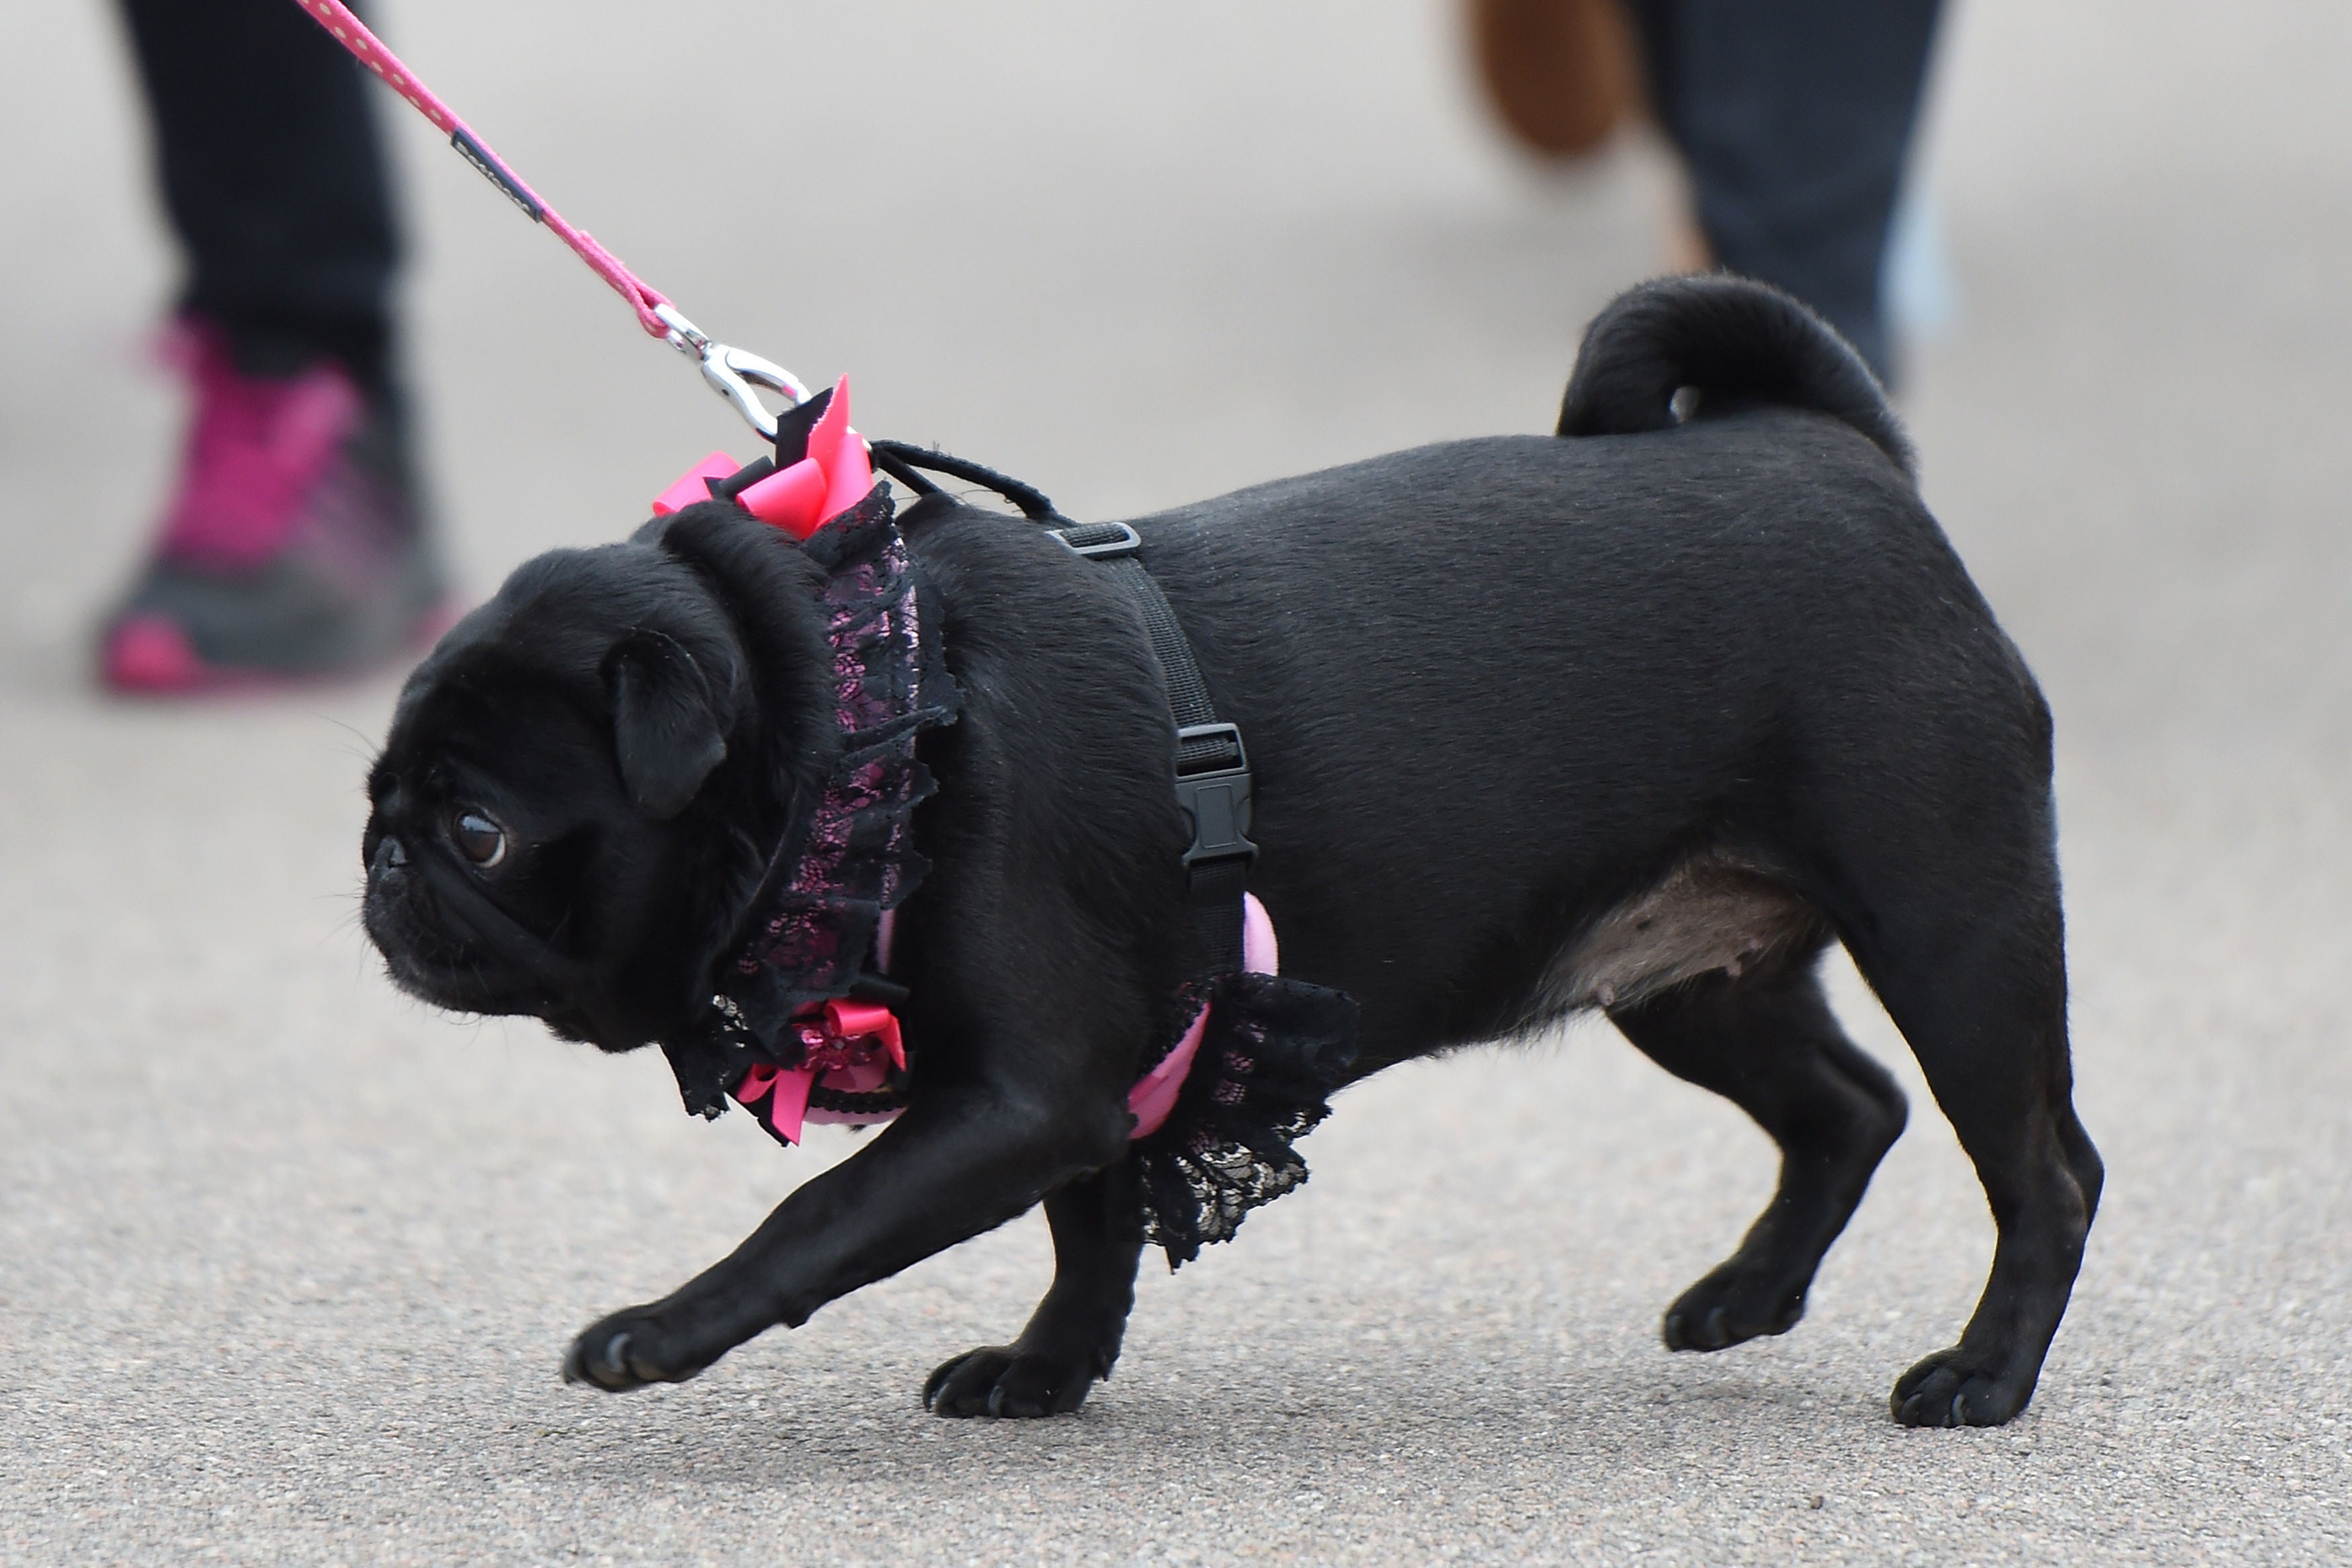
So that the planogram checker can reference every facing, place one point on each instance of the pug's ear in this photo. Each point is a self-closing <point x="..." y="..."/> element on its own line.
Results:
<point x="670" y="726"/>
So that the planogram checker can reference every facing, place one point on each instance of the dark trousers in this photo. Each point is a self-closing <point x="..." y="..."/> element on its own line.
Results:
<point x="274" y="176"/>
<point x="1795" y="118"/>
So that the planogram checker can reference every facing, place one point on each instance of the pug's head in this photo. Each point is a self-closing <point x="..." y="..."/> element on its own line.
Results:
<point x="585" y="778"/>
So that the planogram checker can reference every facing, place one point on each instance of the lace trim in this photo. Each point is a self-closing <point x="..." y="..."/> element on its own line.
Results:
<point x="851" y="857"/>
<point x="1274" y="1051"/>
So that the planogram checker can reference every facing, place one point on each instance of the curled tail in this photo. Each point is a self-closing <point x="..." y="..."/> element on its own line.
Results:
<point x="1735" y="342"/>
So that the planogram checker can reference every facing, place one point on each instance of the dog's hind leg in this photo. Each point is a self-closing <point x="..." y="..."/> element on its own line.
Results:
<point x="1768" y="1042"/>
<point x="1073" y="1338"/>
<point x="1967" y="953"/>
<point x="1945" y="889"/>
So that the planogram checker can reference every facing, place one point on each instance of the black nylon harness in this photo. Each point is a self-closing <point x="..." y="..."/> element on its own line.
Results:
<point x="1264" y="1052"/>
<point x="1212" y="772"/>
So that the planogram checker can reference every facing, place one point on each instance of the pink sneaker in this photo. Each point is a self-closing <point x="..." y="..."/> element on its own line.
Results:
<point x="294" y="547"/>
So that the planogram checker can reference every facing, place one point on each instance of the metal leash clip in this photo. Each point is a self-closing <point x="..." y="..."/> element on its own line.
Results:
<point x="733" y="372"/>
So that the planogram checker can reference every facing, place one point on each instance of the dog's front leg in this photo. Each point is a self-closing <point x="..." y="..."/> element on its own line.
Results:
<point x="1073" y="1337"/>
<point x="951" y="1167"/>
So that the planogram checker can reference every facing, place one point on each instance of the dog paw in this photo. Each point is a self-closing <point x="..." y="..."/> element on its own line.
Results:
<point x="1730" y="1306"/>
<point x="627" y="1350"/>
<point x="1951" y="1388"/>
<point x="1006" y="1381"/>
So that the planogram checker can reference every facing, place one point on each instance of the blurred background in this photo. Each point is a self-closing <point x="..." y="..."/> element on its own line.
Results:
<point x="285" y="1261"/>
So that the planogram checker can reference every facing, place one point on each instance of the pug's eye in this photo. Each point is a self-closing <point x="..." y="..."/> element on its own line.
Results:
<point x="479" y="838"/>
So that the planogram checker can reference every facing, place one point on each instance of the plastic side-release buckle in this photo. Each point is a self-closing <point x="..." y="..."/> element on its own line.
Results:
<point x="1099" y="541"/>
<point x="1215" y="793"/>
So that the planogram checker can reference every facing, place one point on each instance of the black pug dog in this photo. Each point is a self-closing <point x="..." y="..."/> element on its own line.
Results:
<point x="1640" y="717"/>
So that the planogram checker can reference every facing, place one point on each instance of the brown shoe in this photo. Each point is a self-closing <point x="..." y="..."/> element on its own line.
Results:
<point x="1559" y="73"/>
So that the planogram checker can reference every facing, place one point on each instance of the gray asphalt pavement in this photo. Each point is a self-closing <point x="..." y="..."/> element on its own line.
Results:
<point x="287" y="1263"/>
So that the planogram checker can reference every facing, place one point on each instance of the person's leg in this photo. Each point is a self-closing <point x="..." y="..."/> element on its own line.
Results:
<point x="274" y="177"/>
<point x="293" y="545"/>
<point x="1794" y="120"/>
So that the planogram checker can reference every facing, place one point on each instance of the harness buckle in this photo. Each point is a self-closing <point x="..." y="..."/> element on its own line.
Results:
<point x="1214" y="795"/>
<point x="1099" y="541"/>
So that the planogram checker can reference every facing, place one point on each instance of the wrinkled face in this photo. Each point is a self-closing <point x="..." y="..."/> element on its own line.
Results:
<point x="535" y="845"/>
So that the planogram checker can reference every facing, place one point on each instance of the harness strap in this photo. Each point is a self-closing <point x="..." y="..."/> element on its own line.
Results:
<point x="1212" y="771"/>
<point x="903" y="461"/>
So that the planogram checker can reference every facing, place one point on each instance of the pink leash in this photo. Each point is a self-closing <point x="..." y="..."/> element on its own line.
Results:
<point x="732" y="373"/>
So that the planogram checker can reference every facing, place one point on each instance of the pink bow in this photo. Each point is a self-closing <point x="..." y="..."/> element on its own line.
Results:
<point x="835" y="477"/>
<point x="851" y="1039"/>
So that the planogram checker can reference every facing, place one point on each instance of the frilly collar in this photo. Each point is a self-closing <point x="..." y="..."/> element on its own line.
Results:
<point x="812" y="935"/>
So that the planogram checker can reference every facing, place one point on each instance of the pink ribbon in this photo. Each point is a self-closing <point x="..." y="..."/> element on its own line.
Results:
<point x="843" y="1039"/>
<point x="799" y="499"/>
<point x="851" y="1040"/>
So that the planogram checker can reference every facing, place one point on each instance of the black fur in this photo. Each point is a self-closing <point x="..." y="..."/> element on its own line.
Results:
<point x="1731" y="342"/>
<point x="1503" y="696"/>
<point x="670" y="724"/>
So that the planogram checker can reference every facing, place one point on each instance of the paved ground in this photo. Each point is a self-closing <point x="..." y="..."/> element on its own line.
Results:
<point x="286" y="1263"/>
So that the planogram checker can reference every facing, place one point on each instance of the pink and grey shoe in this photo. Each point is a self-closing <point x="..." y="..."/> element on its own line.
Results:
<point x="295" y="548"/>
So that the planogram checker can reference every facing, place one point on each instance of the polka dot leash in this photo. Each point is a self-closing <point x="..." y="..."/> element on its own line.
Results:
<point x="732" y="373"/>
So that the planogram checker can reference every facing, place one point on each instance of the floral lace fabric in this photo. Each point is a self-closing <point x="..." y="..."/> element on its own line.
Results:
<point x="1274" y="1051"/>
<point x="850" y="859"/>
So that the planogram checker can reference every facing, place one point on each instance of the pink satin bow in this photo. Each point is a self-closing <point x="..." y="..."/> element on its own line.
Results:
<point x="835" y="477"/>
<point x="844" y="1040"/>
